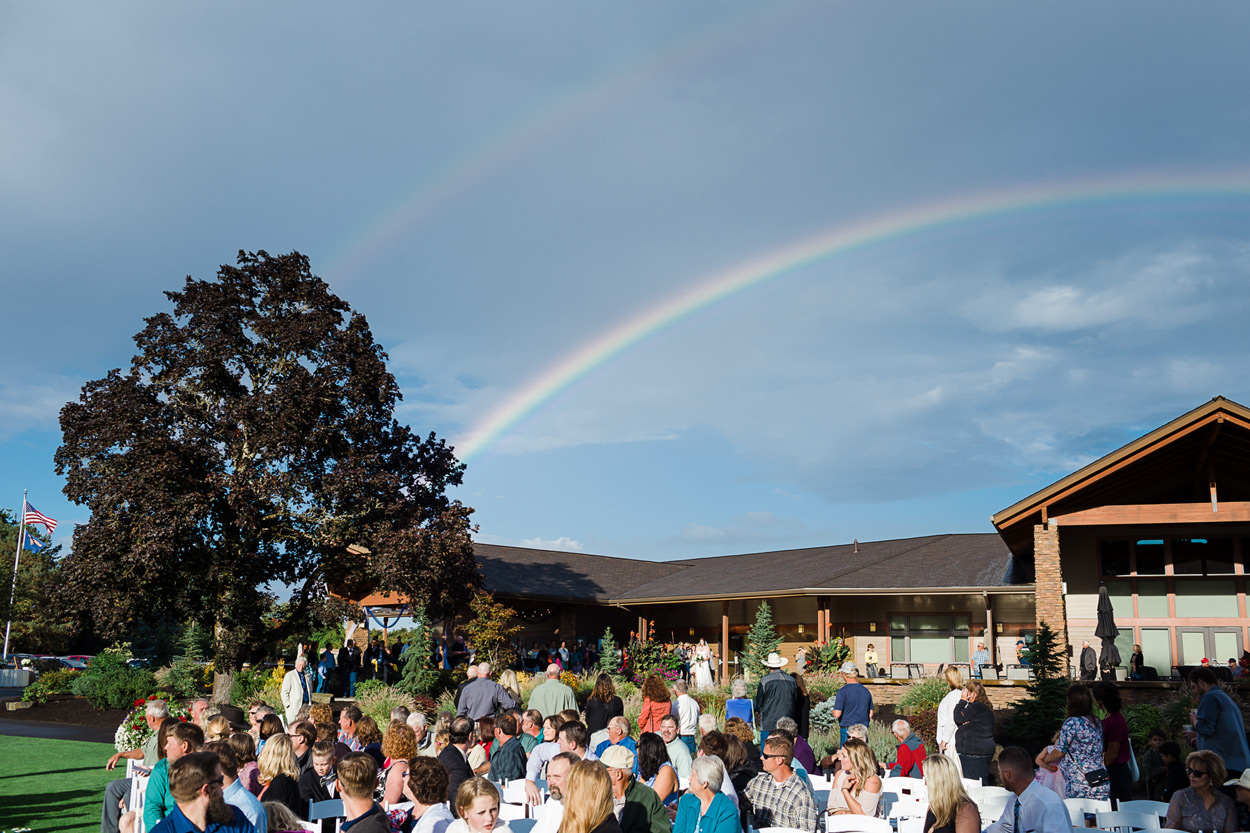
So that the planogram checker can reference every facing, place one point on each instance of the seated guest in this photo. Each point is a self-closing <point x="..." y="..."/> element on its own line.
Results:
<point x="950" y="807"/>
<point x="357" y="779"/>
<point x="181" y="739"/>
<point x="551" y="814"/>
<point x="245" y="756"/>
<point x="218" y="728"/>
<point x="477" y="805"/>
<point x="314" y="783"/>
<point x="533" y="727"/>
<point x="911" y="752"/>
<point x="233" y="791"/>
<point x="547" y="751"/>
<point x="778" y="798"/>
<point x="303" y="736"/>
<point x="678" y="753"/>
<point x="426" y="787"/>
<point x="857" y="787"/>
<point x="802" y="750"/>
<point x="707" y="723"/>
<point x="479" y="752"/>
<point x="149" y="753"/>
<point x="281" y="819"/>
<point x="705" y="808"/>
<point x="1201" y="805"/>
<point x="349" y="720"/>
<point x="1038" y="809"/>
<point x="270" y="725"/>
<point x="588" y="800"/>
<point x="370" y="738"/>
<point x="1242" y="788"/>
<point x="641" y="810"/>
<point x="425" y="737"/>
<point x="744" y="733"/>
<point x="618" y="735"/>
<point x="399" y="744"/>
<point x="738" y="705"/>
<point x="195" y="781"/>
<point x="739" y="772"/>
<point x="655" y="769"/>
<point x="454" y="759"/>
<point x="279" y="776"/>
<point x="508" y="762"/>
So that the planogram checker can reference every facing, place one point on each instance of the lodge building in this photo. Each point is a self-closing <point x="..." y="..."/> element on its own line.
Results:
<point x="1163" y="522"/>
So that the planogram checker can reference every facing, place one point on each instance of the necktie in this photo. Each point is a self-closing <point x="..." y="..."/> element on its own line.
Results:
<point x="303" y="684"/>
<point x="1015" y="823"/>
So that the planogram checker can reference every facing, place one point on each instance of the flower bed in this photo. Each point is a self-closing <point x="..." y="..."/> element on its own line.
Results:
<point x="134" y="732"/>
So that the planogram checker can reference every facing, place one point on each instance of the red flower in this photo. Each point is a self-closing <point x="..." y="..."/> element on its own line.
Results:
<point x="138" y="702"/>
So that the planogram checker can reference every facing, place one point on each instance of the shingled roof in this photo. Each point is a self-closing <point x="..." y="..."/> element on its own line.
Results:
<point x="931" y="562"/>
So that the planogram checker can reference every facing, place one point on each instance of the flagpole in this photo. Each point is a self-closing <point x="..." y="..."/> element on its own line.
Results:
<point x="21" y="527"/>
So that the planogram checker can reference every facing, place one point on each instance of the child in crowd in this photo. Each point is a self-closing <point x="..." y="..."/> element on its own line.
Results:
<point x="1052" y="781"/>
<point x="1175" y="778"/>
<point x="1153" y="767"/>
<point x="315" y="783"/>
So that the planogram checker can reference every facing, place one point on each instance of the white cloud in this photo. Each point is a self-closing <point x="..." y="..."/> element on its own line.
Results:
<point x="25" y="405"/>
<point x="562" y="543"/>
<point x="748" y="528"/>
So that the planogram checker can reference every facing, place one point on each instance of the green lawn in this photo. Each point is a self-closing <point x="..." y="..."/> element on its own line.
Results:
<point x="53" y="784"/>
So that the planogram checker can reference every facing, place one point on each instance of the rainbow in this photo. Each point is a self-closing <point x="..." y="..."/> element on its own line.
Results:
<point x="836" y="240"/>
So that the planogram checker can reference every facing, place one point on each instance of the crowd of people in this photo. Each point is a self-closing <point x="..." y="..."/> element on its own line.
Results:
<point x="754" y="768"/>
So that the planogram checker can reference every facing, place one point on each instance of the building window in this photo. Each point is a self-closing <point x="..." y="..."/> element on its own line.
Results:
<point x="1118" y="557"/>
<point x="1206" y="599"/>
<point x="929" y="639"/>
<point x="1202" y="556"/>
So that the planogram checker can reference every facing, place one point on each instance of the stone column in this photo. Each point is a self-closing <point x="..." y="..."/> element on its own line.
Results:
<point x="1048" y="578"/>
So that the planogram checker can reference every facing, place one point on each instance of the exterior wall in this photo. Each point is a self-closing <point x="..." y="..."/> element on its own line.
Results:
<point x="1048" y="577"/>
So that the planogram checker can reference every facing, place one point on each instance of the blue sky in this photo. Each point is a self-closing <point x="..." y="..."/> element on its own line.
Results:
<point x="494" y="185"/>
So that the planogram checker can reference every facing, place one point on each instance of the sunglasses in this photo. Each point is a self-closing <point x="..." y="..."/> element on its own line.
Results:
<point x="766" y="755"/>
<point x="1197" y="773"/>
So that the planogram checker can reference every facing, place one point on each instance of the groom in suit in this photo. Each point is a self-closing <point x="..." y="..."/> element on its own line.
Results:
<point x="455" y="758"/>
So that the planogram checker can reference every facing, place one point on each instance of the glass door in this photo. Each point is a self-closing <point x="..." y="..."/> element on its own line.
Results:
<point x="1216" y="644"/>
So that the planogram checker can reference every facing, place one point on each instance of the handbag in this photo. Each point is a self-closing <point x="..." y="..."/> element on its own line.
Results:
<point x="1097" y="777"/>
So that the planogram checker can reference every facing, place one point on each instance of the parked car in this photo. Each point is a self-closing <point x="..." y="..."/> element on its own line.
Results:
<point x="73" y="664"/>
<point x="85" y="659"/>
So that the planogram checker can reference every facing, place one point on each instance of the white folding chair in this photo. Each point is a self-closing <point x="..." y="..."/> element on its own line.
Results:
<point x="1121" y="820"/>
<point x="991" y="807"/>
<point x="683" y="783"/>
<point x="1159" y="808"/>
<point x="911" y="825"/>
<point x="972" y="783"/>
<point x="310" y="826"/>
<point x="907" y="808"/>
<point x="911" y="787"/>
<point x="514" y="792"/>
<point x="138" y="793"/>
<point x="1079" y="807"/>
<point x="850" y="823"/>
<point x="511" y="812"/>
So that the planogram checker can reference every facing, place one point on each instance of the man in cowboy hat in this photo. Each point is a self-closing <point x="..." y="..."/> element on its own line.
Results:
<point x="853" y="702"/>
<point x="777" y="696"/>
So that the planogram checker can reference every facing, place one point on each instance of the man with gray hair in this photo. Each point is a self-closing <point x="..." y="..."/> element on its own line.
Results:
<point x="119" y="791"/>
<point x="911" y="752"/>
<point x="803" y="752"/>
<point x="400" y="713"/>
<point x="686" y="708"/>
<point x="553" y="696"/>
<point x="484" y="696"/>
<point x="425" y="738"/>
<point x="707" y="723"/>
<point x="470" y="674"/>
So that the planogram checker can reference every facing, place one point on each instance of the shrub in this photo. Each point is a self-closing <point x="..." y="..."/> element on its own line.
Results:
<point x="882" y="741"/>
<point x="53" y="682"/>
<point x="379" y="700"/>
<point x="446" y="703"/>
<point x="823" y="743"/>
<point x="366" y="687"/>
<point x="183" y="678"/>
<point x="426" y="705"/>
<point x="826" y="685"/>
<point x="925" y="694"/>
<point x="1141" y="719"/>
<point x="821" y="717"/>
<point x="247" y="686"/>
<point x="924" y="724"/>
<point x="109" y="683"/>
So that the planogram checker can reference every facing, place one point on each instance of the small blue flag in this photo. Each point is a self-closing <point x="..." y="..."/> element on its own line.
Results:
<point x="31" y="543"/>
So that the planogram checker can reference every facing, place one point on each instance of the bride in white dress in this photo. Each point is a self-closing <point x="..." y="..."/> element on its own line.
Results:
<point x="702" y="666"/>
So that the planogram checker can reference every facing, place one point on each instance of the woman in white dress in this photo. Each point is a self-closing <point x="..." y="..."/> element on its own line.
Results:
<point x="702" y="666"/>
<point x="946" y="714"/>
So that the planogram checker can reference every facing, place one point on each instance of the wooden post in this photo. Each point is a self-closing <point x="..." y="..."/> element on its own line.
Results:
<point x="820" y="621"/>
<point x="989" y="628"/>
<point x="828" y="635"/>
<point x="724" y="641"/>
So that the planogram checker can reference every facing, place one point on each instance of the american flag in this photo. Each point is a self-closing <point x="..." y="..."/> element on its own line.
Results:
<point x="34" y="516"/>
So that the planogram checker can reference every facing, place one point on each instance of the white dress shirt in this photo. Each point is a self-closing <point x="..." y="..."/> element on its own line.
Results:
<point x="1041" y="811"/>
<point x="686" y="709"/>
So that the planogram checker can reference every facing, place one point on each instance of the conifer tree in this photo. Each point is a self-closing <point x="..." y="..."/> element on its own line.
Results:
<point x="420" y="673"/>
<point x="762" y="640"/>
<point x="609" y="658"/>
<point x="1038" y="717"/>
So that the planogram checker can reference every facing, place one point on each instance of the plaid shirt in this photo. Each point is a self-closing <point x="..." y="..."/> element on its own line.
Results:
<point x="785" y="804"/>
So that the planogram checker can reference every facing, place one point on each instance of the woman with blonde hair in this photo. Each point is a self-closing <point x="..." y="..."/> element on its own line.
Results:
<point x="218" y="729"/>
<point x="1202" y="805"/>
<point x="477" y="805"/>
<point x="278" y="773"/>
<point x="857" y="787"/>
<point x="588" y="800"/>
<point x="951" y="810"/>
<point x="508" y="680"/>
<point x="946" y="713"/>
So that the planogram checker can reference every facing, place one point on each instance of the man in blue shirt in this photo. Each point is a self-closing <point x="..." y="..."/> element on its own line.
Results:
<point x="618" y="735"/>
<point x="1218" y="724"/>
<point x="195" y="781"/>
<point x="233" y="791"/>
<point x="979" y="657"/>
<point x="853" y="702"/>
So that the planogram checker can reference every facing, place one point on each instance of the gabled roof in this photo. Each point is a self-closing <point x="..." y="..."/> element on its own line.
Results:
<point x="1173" y="463"/>
<point x="934" y="562"/>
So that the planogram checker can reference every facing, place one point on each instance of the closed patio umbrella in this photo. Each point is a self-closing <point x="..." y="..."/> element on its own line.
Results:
<point x="1107" y="632"/>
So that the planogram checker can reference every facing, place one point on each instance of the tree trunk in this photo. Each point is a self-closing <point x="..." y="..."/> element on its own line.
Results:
<point x="223" y="682"/>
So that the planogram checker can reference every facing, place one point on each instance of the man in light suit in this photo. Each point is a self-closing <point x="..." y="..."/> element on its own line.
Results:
<point x="296" y="689"/>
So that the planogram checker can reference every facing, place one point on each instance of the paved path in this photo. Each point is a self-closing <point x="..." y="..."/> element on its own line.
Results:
<point x="58" y="731"/>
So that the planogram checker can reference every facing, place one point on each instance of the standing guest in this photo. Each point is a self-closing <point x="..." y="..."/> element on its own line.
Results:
<point x="552" y="696"/>
<point x="705" y="809"/>
<point x="349" y="665"/>
<point x="655" y="769"/>
<point x="872" y="662"/>
<point x="233" y="791"/>
<point x="1218" y="724"/>
<point x="149" y="753"/>
<point x="974" y="740"/>
<point x="686" y="708"/>
<point x="1079" y="748"/>
<point x="910" y="759"/>
<point x="1089" y="662"/>
<point x="1153" y="768"/>
<point x="777" y="695"/>
<point x="618" y="735"/>
<point x="638" y="808"/>
<point x="853" y="702"/>
<point x="800" y="660"/>
<point x="278" y="773"/>
<point x="551" y="812"/>
<point x="678" y="752"/>
<point x="508" y="680"/>
<point x="951" y="810"/>
<point x="739" y="705"/>
<point x="656" y="702"/>
<point x="980" y="657"/>
<point x="603" y="705"/>
<point x="946" y="713"/>
<point x="297" y="688"/>
<point x="1115" y="742"/>
<point x="470" y="674"/>
<point x="325" y="667"/>
<point x="802" y="706"/>
<point x="1022" y="652"/>
<point x="1136" y="662"/>
<point x="778" y="798"/>
<point x="508" y="762"/>
<point x="181" y="739"/>
<point x="373" y="660"/>
<point x="426" y="787"/>
<point x="484" y="696"/>
<point x="357" y="780"/>
<point x="195" y="781"/>
<point x="399" y="744"/>
<point x="1201" y="805"/>
<point x="589" y="799"/>
<point x="245" y="756"/>
<point x="1052" y="781"/>
<point x="1174" y="779"/>
<point x="313" y="784"/>
<point x="857" y="786"/>
<point x="1031" y="806"/>
<point x="455" y="758"/>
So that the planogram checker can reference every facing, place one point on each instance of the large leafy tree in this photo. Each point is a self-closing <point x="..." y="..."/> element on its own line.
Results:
<point x="250" y="442"/>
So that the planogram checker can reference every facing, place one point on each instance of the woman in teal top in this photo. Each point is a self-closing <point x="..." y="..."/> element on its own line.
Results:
<point x="705" y="809"/>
